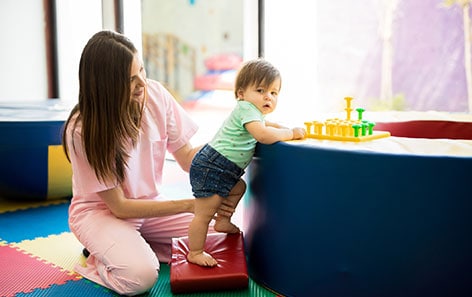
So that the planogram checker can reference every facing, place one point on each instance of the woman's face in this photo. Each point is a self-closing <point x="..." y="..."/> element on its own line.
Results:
<point x="138" y="79"/>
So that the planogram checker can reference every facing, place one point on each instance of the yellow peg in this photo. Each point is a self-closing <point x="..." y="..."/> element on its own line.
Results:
<point x="318" y="128"/>
<point x="348" y="107"/>
<point x="308" y="127"/>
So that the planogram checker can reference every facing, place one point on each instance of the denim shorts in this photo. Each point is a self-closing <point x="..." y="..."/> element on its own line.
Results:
<point x="212" y="173"/>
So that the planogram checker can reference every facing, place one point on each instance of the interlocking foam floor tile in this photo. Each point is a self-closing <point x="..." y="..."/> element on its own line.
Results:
<point x="12" y="205"/>
<point x="34" y="222"/>
<point x="23" y="273"/>
<point x="162" y="288"/>
<point x="79" y="288"/>
<point x="62" y="250"/>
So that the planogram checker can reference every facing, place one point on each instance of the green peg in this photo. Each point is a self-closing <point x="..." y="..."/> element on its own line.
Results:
<point x="360" y="111"/>
<point x="371" y="128"/>
<point x="364" y="128"/>
<point x="356" y="128"/>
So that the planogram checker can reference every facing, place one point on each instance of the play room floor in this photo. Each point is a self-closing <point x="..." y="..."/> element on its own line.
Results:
<point x="38" y="251"/>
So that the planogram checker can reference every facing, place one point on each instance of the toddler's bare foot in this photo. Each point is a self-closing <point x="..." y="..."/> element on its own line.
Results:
<point x="202" y="259"/>
<point x="225" y="227"/>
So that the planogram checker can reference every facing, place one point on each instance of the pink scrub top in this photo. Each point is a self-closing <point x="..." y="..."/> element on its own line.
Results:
<point x="165" y="127"/>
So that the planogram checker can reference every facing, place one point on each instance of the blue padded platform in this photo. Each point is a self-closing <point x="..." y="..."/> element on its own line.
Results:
<point x="27" y="131"/>
<point x="327" y="222"/>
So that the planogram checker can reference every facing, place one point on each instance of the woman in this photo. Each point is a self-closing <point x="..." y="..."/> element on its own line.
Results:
<point x="116" y="138"/>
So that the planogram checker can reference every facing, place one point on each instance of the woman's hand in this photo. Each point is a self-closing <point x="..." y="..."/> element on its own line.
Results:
<point x="226" y="209"/>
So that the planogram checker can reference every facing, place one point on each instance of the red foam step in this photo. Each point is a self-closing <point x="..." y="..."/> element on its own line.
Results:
<point x="229" y="274"/>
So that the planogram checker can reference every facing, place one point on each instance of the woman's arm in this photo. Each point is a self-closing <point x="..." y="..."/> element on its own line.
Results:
<point x="185" y="154"/>
<point x="125" y="208"/>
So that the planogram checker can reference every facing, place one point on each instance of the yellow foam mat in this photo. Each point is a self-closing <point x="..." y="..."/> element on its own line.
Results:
<point x="62" y="250"/>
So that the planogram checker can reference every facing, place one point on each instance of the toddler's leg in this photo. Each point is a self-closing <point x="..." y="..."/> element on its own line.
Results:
<point x="223" y="223"/>
<point x="205" y="209"/>
<point x="159" y="231"/>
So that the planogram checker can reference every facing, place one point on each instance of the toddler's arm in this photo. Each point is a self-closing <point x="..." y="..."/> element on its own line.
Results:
<point x="269" y="132"/>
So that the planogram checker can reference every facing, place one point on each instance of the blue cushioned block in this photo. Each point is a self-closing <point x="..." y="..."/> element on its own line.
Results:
<point x="328" y="222"/>
<point x="26" y="132"/>
<point x="24" y="173"/>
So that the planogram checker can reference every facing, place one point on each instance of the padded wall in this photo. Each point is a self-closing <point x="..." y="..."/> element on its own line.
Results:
<point x="326" y="222"/>
<point x="428" y="129"/>
<point x="25" y="160"/>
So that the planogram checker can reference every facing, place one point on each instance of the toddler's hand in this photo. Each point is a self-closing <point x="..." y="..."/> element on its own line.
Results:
<point x="298" y="133"/>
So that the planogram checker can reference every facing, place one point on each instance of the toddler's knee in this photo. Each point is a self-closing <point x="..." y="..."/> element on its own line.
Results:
<point x="242" y="186"/>
<point x="239" y="189"/>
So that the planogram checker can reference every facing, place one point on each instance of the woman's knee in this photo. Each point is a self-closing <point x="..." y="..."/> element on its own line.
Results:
<point x="130" y="272"/>
<point x="136" y="280"/>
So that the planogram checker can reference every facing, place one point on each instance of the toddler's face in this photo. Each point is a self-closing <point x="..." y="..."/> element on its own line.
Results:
<point x="264" y="98"/>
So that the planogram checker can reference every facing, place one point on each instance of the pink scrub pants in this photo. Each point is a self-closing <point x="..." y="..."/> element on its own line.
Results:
<point x="125" y="254"/>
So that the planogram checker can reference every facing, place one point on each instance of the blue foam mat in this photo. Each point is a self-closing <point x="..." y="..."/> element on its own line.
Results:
<point x="34" y="222"/>
<point x="80" y="288"/>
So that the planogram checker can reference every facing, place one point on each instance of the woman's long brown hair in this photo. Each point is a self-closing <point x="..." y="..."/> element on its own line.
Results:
<point x="110" y="119"/>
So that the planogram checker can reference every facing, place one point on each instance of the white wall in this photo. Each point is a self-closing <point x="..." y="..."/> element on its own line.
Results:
<point x="22" y="53"/>
<point x="289" y="43"/>
<point x="132" y="22"/>
<point x="77" y="21"/>
<point x="23" y="74"/>
<point x="250" y="29"/>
